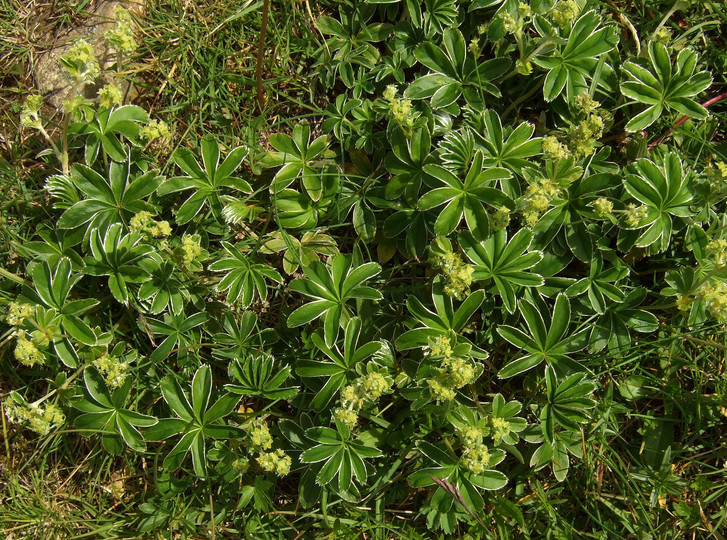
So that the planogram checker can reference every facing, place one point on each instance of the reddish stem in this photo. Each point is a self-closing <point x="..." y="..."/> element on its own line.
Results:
<point x="706" y="104"/>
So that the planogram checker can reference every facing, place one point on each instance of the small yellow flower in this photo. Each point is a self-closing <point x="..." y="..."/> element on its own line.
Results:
<point x="470" y="435"/>
<point x="156" y="129"/>
<point x="602" y="206"/>
<point x="276" y="461"/>
<point x="439" y="391"/>
<point x="190" y="249"/>
<point x="110" y="96"/>
<point x="260" y="438"/>
<point x="39" y="419"/>
<point x="476" y="458"/>
<point x="587" y="103"/>
<point x="80" y="61"/>
<point x="346" y="416"/>
<point x="121" y="37"/>
<point x="112" y="369"/>
<point x="717" y="251"/>
<point x="554" y="149"/>
<point x="636" y="214"/>
<point x="29" y="113"/>
<point x="565" y="12"/>
<point x="17" y="313"/>
<point x="26" y="351"/>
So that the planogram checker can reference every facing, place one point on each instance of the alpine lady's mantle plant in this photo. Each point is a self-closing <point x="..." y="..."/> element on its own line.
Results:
<point x="422" y="301"/>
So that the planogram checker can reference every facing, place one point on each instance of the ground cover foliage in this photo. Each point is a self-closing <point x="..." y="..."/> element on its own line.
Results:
<point x="464" y="275"/>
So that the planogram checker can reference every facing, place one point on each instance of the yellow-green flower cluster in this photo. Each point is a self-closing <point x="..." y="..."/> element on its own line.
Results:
<point x="29" y="113"/>
<point x="121" y="36"/>
<point x="276" y="461"/>
<point x="110" y="96"/>
<point x="715" y="296"/>
<point x="456" y="371"/>
<point x="369" y="387"/>
<point x="524" y="10"/>
<point x="143" y="223"/>
<point x="717" y="251"/>
<point x="476" y="458"/>
<point x="500" y="219"/>
<point x="583" y="136"/>
<point x="474" y="47"/>
<point x="17" y="313"/>
<point x="717" y="173"/>
<point x="470" y="435"/>
<point x="112" y="369"/>
<point x="26" y="352"/>
<point x="586" y="103"/>
<point x="635" y="214"/>
<point x="509" y="23"/>
<point x="662" y="35"/>
<point x="460" y="370"/>
<point x="241" y="465"/>
<point x="39" y="419"/>
<point x="440" y="392"/>
<point x="81" y="61"/>
<point x="401" y="110"/>
<point x="537" y="199"/>
<point x="457" y="273"/>
<point x="156" y="129"/>
<point x="500" y="428"/>
<point x="554" y="149"/>
<point x="190" y="249"/>
<point x="260" y="438"/>
<point x="346" y="416"/>
<point x="602" y="206"/>
<point x="565" y="12"/>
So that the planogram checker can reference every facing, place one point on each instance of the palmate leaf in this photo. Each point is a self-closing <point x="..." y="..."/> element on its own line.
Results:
<point x="297" y="157"/>
<point x="502" y="264"/>
<point x="105" y="127"/>
<point x="196" y="420"/>
<point x="575" y="62"/>
<point x="240" y="336"/>
<point x="465" y="199"/>
<point x="664" y="86"/>
<point x="454" y="74"/>
<point x="614" y="327"/>
<point x="340" y="368"/>
<point x="105" y="412"/>
<point x="505" y="147"/>
<point x="207" y="179"/>
<point x="406" y="162"/>
<point x="108" y="200"/>
<point x="454" y="480"/>
<point x="243" y="278"/>
<point x="330" y="288"/>
<point x="119" y="256"/>
<point x="548" y="339"/>
<point x="343" y="458"/>
<point x="568" y="401"/>
<point x="306" y="250"/>
<point x="444" y="322"/>
<point x="165" y="288"/>
<point x="665" y="191"/>
<point x="601" y="286"/>
<point x="180" y="332"/>
<point x="255" y="375"/>
<point x="51" y="289"/>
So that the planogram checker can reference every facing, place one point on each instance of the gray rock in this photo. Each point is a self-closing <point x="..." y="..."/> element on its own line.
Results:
<point x="52" y="80"/>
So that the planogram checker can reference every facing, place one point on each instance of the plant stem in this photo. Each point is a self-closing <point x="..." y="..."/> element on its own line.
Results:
<point x="14" y="277"/>
<point x="706" y="104"/>
<point x="260" y="53"/>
